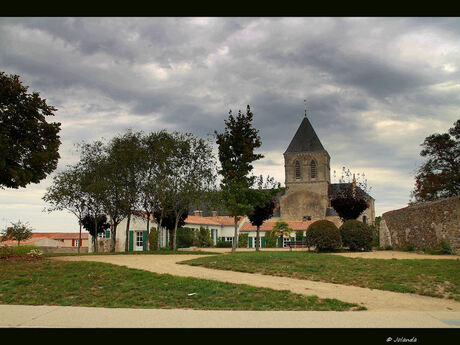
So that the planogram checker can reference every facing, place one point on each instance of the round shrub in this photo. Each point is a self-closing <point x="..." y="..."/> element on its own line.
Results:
<point x="323" y="235"/>
<point x="356" y="235"/>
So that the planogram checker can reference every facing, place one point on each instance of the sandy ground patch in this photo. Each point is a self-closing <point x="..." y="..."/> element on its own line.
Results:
<point x="374" y="300"/>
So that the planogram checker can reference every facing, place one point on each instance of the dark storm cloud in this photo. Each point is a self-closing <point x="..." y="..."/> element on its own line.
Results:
<point x="375" y="87"/>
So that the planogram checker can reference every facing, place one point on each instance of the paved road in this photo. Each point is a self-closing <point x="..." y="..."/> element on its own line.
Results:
<point x="54" y="317"/>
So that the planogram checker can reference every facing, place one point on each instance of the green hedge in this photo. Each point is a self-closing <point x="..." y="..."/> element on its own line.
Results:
<point x="243" y="240"/>
<point x="324" y="236"/>
<point x="185" y="237"/>
<point x="356" y="235"/>
<point x="270" y="240"/>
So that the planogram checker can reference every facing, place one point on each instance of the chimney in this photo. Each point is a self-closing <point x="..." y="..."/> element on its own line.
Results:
<point x="214" y="213"/>
<point x="354" y="184"/>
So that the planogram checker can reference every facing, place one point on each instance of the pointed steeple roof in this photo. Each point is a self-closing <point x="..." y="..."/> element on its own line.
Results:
<point x="305" y="139"/>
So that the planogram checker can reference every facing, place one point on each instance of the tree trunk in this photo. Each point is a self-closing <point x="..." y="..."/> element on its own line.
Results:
<point x="127" y="232"/>
<point x="147" y="246"/>
<point x="160" y="230"/>
<point x="96" y="249"/>
<point x="258" y="238"/>
<point x="79" y="238"/>
<point x="173" y="237"/>
<point x="114" y="237"/>
<point x="235" y="237"/>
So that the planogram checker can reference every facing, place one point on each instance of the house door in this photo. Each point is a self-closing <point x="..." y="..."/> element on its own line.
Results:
<point x="139" y="244"/>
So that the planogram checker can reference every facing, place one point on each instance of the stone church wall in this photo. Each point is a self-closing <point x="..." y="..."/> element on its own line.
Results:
<point x="423" y="225"/>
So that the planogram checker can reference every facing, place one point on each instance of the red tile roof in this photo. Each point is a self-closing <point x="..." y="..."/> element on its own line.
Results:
<point x="218" y="220"/>
<point x="61" y="235"/>
<point x="201" y="220"/>
<point x="268" y="226"/>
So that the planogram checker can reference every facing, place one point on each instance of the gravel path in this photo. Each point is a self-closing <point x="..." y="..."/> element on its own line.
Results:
<point x="374" y="300"/>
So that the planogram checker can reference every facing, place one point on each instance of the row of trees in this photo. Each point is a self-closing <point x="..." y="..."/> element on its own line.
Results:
<point x="160" y="173"/>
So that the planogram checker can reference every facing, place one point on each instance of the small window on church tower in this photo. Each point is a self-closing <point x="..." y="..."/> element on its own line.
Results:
<point x="314" y="169"/>
<point x="297" y="170"/>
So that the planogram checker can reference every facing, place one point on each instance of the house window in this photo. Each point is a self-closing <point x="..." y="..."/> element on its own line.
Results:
<point x="365" y="219"/>
<point x="139" y="239"/>
<point x="229" y="239"/>
<point x="76" y="243"/>
<point x="314" y="169"/>
<point x="101" y="234"/>
<point x="297" y="170"/>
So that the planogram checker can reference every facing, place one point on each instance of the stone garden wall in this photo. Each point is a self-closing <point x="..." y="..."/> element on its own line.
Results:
<point x="423" y="225"/>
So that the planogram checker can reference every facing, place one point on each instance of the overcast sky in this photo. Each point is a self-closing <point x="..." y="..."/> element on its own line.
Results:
<point x="375" y="88"/>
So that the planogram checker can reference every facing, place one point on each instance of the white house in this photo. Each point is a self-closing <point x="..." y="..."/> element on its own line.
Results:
<point x="220" y="227"/>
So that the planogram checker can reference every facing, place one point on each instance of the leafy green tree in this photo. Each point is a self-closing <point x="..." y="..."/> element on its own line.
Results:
<point x="260" y="214"/>
<point x="281" y="229"/>
<point x="17" y="232"/>
<point x="236" y="154"/>
<point x="28" y="143"/>
<point x="95" y="225"/>
<point x="169" y="221"/>
<point x="67" y="193"/>
<point x="439" y="176"/>
<point x="243" y="240"/>
<point x="93" y="180"/>
<point x="193" y="175"/>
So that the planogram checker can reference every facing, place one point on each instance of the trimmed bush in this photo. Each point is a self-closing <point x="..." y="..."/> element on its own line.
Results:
<point x="204" y="237"/>
<point x="442" y="248"/>
<point x="153" y="239"/>
<point x="324" y="236"/>
<point x="223" y="244"/>
<point x="243" y="240"/>
<point x="299" y="235"/>
<point x="5" y="252"/>
<point x="270" y="240"/>
<point x="356" y="235"/>
<point x="185" y="237"/>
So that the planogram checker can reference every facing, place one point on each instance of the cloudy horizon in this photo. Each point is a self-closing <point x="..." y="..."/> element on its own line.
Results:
<point x="375" y="88"/>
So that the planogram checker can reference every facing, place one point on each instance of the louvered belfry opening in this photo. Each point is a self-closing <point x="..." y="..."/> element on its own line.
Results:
<point x="314" y="169"/>
<point x="297" y="170"/>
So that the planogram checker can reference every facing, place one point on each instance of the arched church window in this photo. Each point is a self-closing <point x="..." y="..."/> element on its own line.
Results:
<point x="297" y="170"/>
<point x="314" y="169"/>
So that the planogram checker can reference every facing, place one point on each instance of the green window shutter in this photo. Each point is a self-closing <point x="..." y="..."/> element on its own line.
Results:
<point x="304" y="238"/>
<point x="250" y="242"/>
<point x="279" y="242"/>
<point x="130" y="243"/>
<point x="212" y="235"/>
<point x="167" y="237"/>
<point x="144" y="240"/>
<point x="223" y="239"/>
<point x="107" y="234"/>
<point x="263" y="242"/>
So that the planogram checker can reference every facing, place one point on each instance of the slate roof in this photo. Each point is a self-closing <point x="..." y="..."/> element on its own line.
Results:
<point x="305" y="139"/>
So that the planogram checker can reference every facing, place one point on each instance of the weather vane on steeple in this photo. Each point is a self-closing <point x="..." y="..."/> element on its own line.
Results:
<point x="305" y="101"/>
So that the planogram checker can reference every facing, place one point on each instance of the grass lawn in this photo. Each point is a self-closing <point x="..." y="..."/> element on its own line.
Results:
<point x="437" y="278"/>
<point x="94" y="284"/>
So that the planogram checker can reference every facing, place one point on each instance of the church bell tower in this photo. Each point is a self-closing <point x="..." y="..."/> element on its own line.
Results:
<point x="307" y="176"/>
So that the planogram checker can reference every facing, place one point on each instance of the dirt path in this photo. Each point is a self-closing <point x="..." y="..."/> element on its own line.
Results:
<point x="374" y="300"/>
